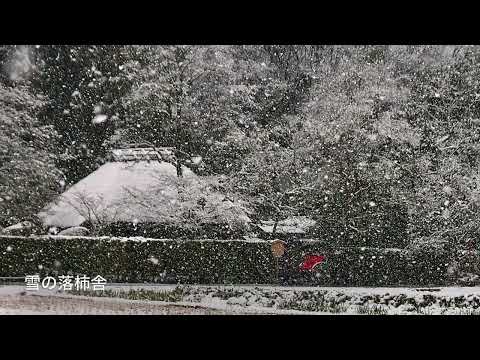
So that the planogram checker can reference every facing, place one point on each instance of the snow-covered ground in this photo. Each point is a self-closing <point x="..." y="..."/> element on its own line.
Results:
<point x="14" y="300"/>
<point x="248" y="299"/>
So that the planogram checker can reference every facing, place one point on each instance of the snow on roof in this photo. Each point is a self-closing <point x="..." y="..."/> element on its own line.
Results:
<point x="291" y="225"/>
<point x="143" y="153"/>
<point x="108" y="191"/>
<point x="137" y="187"/>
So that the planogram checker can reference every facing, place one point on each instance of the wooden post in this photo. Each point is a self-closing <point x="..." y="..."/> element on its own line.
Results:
<point x="277" y="271"/>
<point x="278" y="249"/>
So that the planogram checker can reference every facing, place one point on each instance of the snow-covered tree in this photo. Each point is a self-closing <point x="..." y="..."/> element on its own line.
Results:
<point x="83" y="86"/>
<point x="28" y="176"/>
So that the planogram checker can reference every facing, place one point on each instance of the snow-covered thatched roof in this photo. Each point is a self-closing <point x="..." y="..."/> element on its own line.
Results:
<point x="132" y="188"/>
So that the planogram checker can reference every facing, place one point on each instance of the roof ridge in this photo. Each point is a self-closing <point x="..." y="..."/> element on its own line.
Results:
<point x="142" y="153"/>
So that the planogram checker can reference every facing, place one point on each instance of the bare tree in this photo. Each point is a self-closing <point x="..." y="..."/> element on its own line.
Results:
<point x="94" y="209"/>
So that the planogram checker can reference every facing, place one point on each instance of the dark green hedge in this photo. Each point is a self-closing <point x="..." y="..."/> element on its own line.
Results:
<point x="129" y="260"/>
<point x="158" y="231"/>
<point x="361" y="266"/>
<point x="218" y="262"/>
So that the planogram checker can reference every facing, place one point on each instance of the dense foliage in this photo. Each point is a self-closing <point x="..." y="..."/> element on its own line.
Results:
<point x="28" y="176"/>
<point x="378" y="144"/>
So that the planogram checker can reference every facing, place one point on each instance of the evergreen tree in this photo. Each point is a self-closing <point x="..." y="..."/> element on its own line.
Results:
<point x="28" y="176"/>
<point x="82" y="86"/>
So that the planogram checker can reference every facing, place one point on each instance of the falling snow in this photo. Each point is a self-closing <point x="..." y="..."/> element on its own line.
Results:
<point x="214" y="147"/>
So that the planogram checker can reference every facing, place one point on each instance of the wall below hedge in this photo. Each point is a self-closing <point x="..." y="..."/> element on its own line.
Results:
<point x="218" y="261"/>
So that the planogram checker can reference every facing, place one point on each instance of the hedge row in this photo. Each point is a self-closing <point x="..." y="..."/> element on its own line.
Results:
<point x="131" y="260"/>
<point x="361" y="266"/>
<point x="218" y="261"/>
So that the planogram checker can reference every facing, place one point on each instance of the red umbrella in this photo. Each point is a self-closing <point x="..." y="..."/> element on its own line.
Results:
<point x="310" y="261"/>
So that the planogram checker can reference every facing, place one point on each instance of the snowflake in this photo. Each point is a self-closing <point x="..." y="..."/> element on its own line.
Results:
<point x="100" y="118"/>
<point x="153" y="260"/>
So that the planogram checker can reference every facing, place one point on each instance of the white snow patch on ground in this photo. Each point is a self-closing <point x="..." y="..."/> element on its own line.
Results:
<point x="243" y="299"/>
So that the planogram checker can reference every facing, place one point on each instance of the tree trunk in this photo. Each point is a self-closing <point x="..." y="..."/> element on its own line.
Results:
<point x="275" y="224"/>
<point x="179" y="168"/>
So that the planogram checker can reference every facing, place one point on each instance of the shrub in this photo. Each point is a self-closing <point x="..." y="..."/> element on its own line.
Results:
<point x="174" y="295"/>
<point x="372" y="310"/>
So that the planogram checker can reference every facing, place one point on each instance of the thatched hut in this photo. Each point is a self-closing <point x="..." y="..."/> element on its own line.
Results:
<point x="139" y="192"/>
